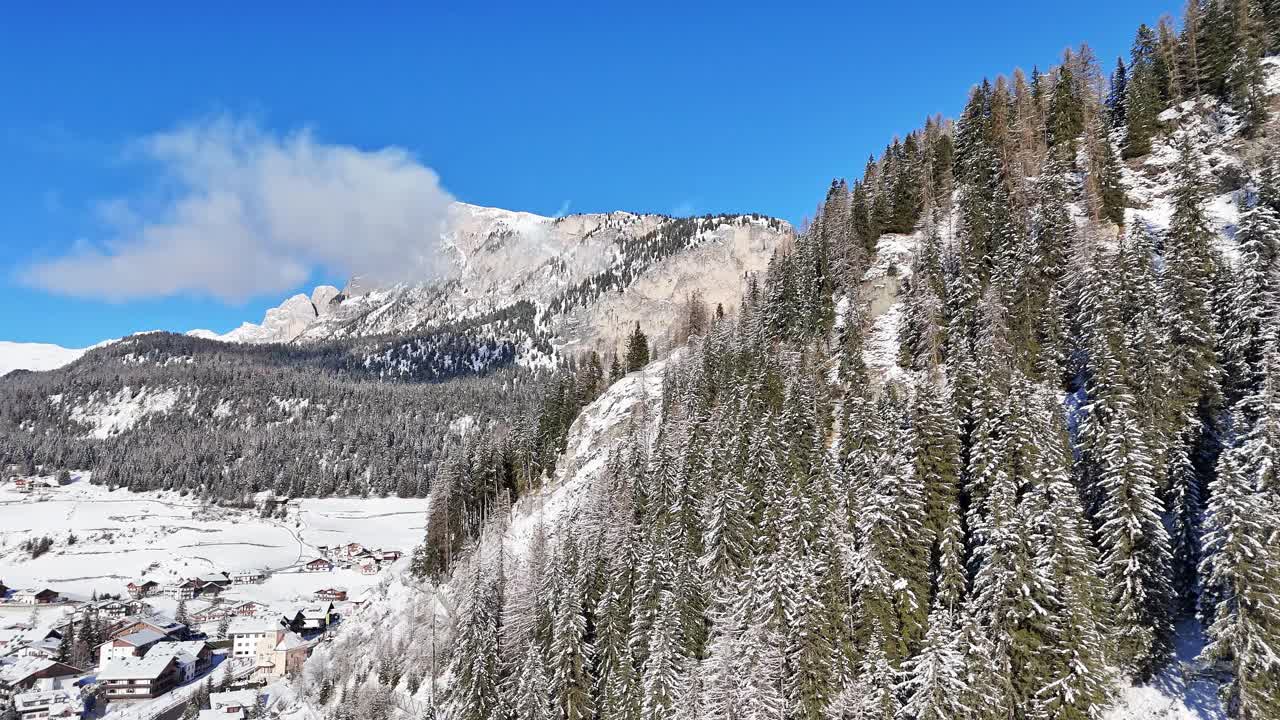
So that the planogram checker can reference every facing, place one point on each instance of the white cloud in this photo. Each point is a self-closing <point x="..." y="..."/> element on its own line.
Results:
<point x="250" y="213"/>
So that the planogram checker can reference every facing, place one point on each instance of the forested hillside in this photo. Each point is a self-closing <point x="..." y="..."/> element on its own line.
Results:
<point x="994" y="439"/>
<point x="171" y="412"/>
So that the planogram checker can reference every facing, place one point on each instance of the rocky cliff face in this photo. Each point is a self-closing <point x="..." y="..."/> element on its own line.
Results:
<point x="589" y="278"/>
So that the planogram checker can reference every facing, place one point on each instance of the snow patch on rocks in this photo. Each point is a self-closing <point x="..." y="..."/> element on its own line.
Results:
<point x="119" y="413"/>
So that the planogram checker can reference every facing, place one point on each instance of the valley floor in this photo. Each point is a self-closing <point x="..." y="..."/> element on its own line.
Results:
<point x="122" y="536"/>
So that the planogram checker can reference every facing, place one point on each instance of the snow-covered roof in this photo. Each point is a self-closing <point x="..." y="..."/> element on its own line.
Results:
<point x="14" y="670"/>
<point x="163" y="623"/>
<point x="141" y="637"/>
<point x="246" y="625"/>
<point x="185" y="652"/>
<point x="233" y="699"/>
<point x="58" y="702"/>
<point x="148" y="667"/>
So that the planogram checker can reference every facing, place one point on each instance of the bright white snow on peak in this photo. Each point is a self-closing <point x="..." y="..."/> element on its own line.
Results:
<point x="35" y="356"/>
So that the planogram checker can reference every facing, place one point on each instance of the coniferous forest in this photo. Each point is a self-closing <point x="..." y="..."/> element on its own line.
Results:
<point x="1068" y="473"/>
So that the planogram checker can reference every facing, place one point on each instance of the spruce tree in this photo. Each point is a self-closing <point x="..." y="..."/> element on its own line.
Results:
<point x="1191" y="266"/>
<point x="935" y="682"/>
<point x="637" y="350"/>
<point x="662" y="674"/>
<point x="570" y="656"/>
<point x="1242" y="572"/>
<point x="1116" y="96"/>
<point x="1142" y="97"/>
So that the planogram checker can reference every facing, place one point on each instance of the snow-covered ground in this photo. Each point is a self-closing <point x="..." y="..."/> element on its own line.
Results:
<point x="35" y="356"/>
<point x="1178" y="693"/>
<point x="122" y="536"/>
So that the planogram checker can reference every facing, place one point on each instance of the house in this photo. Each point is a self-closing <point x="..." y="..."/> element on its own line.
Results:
<point x="25" y="638"/>
<point x="46" y="648"/>
<point x="353" y="549"/>
<point x="116" y="608"/>
<point x="284" y="658"/>
<point x="194" y="657"/>
<point x="139" y="678"/>
<point x="324" y="550"/>
<point x="278" y="650"/>
<point x="247" y="633"/>
<point x="210" y="590"/>
<point x="331" y="595"/>
<point x="143" y="588"/>
<point x="391" y="555"/>
<point x="134" y="644"/>
<point x="247" y="577"/>
<point x="310" y="618"/>
<point x="108" y="610"/>
<point x="40" y="703"/>
<point x="21" y="674"/>
<point x="213" y="613"/>
<point x="220" y="579"/>
<point x="185" y="590"/>
<point x="44" y="596"/>
<point x="250" y="609"/>
<point x="162" y="624"/>
<point x="369" y="566"/>
<point x="318" y="565"/>
<point x="232" y="704"/>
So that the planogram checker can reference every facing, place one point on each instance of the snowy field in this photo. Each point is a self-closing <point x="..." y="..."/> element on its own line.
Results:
<point x="122" y="536"/>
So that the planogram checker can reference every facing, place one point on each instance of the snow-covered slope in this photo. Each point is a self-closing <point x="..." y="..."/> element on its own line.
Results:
<point x="411" y="621"/>
<point x="35" y="356"/>
<point x="1215" y="131"/>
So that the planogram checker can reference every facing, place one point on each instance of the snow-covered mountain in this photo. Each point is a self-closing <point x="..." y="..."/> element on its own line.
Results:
<point x="283" y="323"/>
<point x="35" y="356"/>
<point x="589" y="277"/>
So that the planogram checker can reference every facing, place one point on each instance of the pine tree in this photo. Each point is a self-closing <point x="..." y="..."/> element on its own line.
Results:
<point x="532" y="692"/>
<point x="1076" y="676"/>
<point x="1106" y="179"/>
<point x="1116" y="97"/>
<point x="618" y="694"/>
<point x="474" y="694"/>
<point x="663" y="667"/>
<point x="1252" y="315"/>
<point x="1242" y="570"/>
<point x="879" y="698"/>
<point x="1246" y="77"/>
<point x="1191" y="267"/>
<point x="1066" y="113"/>
<point x="936" y="453"/>
<point x="1142" y="96"/>
<point x="637" y="350"/>
<point x="935" y="681"/>
<point x="570" y="653"/>
<point x="66" y="644"/>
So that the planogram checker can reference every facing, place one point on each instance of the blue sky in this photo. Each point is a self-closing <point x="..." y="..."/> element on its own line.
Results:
<point x="110" y="115"/>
